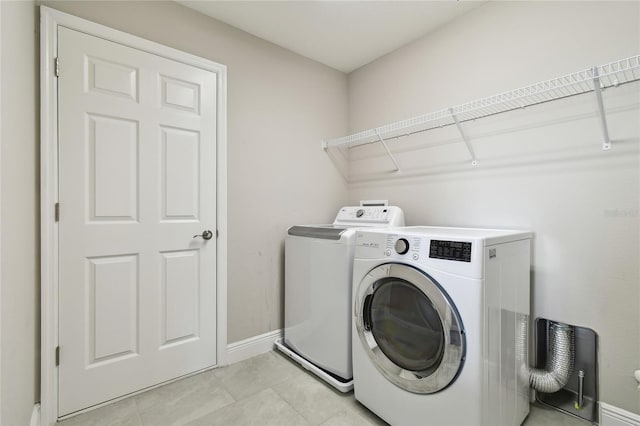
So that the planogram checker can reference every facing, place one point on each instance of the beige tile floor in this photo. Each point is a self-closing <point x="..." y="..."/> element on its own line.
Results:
<point x="268" y="389"/>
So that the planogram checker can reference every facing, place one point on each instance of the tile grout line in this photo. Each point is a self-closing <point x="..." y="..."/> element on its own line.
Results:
<point x="138" y="414"/>
<point x="344" y="407"/>
<point x="292" y="407"/>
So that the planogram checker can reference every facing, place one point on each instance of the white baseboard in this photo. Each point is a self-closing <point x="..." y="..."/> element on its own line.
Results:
<point x="35" y="416"/>
<point x="256" y="345"/>
<point x="614" y="416"/>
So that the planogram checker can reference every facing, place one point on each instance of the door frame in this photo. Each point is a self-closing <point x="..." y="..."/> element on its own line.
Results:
<point x="50" y="20"/>
<point x="0" y="213"/>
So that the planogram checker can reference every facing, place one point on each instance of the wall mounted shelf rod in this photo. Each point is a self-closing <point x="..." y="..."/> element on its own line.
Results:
<point x="595" y="79"/>
<point x="465" y="138"/>
<point x="386" y="148"/>
<point x="606" y="144"/>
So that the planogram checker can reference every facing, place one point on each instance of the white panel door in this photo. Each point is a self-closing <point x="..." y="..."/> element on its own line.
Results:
<point x="137" y="291"/>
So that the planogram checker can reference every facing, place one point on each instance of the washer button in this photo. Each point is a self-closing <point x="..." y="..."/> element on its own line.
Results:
<point x="415" y="256"/>
<point x="387" y="252"/>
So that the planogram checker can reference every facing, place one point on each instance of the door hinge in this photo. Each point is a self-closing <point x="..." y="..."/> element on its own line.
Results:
<point x="57" y="67"/>
<point x="57" y="356"/>
<point x="57" y="212"/>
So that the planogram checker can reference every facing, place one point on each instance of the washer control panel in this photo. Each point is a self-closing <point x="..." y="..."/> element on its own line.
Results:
<point x="374" y="214"/>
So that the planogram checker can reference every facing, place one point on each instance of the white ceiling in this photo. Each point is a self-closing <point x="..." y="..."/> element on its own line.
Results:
<point x="344" y="35"/>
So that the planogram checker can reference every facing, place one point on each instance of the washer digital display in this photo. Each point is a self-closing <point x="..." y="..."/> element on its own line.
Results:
<point x="450" y="250"/>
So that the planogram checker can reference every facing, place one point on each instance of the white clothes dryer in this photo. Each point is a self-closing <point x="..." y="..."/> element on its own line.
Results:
<point x="317" y="307"/>
<point x="436" y="335"/>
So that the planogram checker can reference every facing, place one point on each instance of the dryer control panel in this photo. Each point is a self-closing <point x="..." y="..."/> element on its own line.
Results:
<point x="401" y="245"/>
<point x="450" y="250"/>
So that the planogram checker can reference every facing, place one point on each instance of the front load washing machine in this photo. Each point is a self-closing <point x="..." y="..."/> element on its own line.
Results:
<point x="436" y="335"/>
<point x="317" y="299"/>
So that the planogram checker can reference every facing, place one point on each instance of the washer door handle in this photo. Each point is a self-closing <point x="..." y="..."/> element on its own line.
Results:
<point x="366" y="312"/>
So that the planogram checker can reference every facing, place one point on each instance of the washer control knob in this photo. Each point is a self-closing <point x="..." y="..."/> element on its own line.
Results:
<point x="402" y="246"/>
<point x="360" y="212"/>
<point x="387" y="252"/>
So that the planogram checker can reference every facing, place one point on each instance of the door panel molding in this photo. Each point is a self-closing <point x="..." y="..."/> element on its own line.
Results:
<point x="177" y="97"/>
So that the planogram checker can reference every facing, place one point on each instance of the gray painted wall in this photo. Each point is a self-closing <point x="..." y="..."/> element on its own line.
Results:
<point x="280" y="105"/>
<point x="20" y="345"/>
<point x="540" y="169"/>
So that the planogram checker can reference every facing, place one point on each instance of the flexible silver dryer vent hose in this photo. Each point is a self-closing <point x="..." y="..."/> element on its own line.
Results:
<point x="560" y="363"/>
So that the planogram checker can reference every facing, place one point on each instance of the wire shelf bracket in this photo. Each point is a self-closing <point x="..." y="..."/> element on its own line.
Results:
<point x="606" y="144"/>
<point x="594" y="79"/>
<point x="386" y="148"/>
<point x="465" y="138"/>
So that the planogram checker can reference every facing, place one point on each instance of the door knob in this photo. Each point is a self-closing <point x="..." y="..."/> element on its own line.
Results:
<point x="206" y="235"/>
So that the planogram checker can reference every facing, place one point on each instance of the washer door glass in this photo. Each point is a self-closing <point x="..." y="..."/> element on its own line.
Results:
<point x="410" y="328"/>
<point x="406" y="326"/>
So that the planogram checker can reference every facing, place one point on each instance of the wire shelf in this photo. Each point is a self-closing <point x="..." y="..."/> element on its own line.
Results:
<point x="608" y="75"/>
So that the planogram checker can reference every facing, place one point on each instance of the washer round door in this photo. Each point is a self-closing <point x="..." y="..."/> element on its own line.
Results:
<point x="410" y="329"/>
